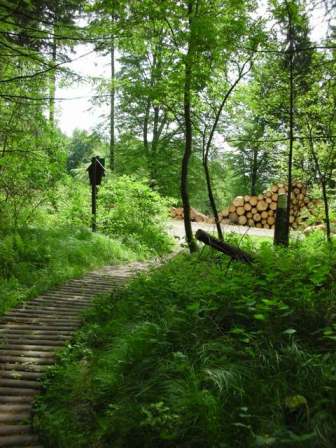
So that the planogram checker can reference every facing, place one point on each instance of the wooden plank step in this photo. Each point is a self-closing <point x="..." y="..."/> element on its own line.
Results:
<point x="20" y="367"/>
<point x="26" y="353"/>
<point x="15" y="408"/>
<point x="24" y="322"/>
<point x="19" y="383"/>
<point x="17" y="375"/>
<point x="18" y="440"/>
<point x="76" y="304"/>
<point x="40" y="321"/>
<point x="56" y="342"/>
<point x="19" y="417"/>
<point x="7" y="399"/>
<point x="17" y="391"/>
<point x="39" y="313"/>
<point x="48" y="310"/>
<point x="34" y="329"/>
<point x="25" y="360"/>
<point x="6" y="430"/>
<point x="29" y="347"/>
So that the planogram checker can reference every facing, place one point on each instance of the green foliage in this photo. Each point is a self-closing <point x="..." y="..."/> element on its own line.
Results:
<point x="82" y="146"/>
<point x="204" y="352"/>
<point x="34" y="259"/>
<point x="130" y="211"/>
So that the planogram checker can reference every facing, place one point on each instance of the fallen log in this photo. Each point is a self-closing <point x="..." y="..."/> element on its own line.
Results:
<point x="233" y="252"/>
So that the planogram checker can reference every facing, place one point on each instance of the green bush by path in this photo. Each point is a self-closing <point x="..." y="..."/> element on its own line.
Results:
<point x="131" y="211"/>
<point x="205" y="353"/>
<point x="34" y="259"/>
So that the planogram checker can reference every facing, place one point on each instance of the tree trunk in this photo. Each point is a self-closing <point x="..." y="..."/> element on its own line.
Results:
<point x="112" y="103"/>
<point x="254" y="172"/>
<point x="322" y="181"/>
<point x="212" y="200"/>
<point x="188" y="138"/>
<point x="207" y="147"/>
<point x="145" y="130"/>
<point x="52" y="83"/>
<point x="291" y="122"/>
<point x="326" y="208"/>
<point x="154" y="142"/>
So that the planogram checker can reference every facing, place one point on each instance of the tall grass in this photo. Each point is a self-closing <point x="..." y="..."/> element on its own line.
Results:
<point x="34" y="259"/>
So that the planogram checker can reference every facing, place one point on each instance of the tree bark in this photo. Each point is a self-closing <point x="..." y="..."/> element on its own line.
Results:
<point x="188" y="135"/>
<point x="254" y="172"/>
<point x="291" y="120"/>
<point x="206" y="151"/>
<point x="112" y="101"/>
<point x="323" y="184"/>
<point x="52" y="83"/>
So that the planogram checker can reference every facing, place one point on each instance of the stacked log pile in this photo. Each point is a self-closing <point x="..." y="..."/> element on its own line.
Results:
<point x="195" y="215"/>
<point x="260" y="211"/>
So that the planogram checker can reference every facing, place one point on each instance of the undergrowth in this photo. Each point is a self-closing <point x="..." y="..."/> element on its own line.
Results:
<point x="34" y="259"/>
<point x="203" y="352"/>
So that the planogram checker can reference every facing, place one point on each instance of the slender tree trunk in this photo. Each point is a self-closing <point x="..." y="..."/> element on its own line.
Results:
<point x="52" y="83"/>
<point x="145" y="129"/>
<point x="188" y="138"/>
<point x="212" y="199"/>
<point x="323" y="184"/>
<point x="207" y="147"/>
<point x="326" y="208"/>
<point x="254" y="172"/>
<point x="291" y="121"/>
<point x="112" y="102"/>
<point x="155" y="142"/>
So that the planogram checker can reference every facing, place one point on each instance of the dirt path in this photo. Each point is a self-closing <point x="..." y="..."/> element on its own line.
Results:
<point x="29" y="337"/>
<point x="176" y="229"/>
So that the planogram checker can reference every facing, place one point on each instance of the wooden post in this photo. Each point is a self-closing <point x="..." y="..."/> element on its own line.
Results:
<point x="280" y="231"/>
<point x="94" y="208"/>
<point x="96" y="171"/>
<point x="94" y="197"/>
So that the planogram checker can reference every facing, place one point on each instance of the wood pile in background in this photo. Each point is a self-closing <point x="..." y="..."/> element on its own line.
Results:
<point x="260" y="211"/>
<point x="195" y="215"/>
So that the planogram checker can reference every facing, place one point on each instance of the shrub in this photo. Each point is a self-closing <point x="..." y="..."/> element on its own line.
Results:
<point x="131" y="211"/>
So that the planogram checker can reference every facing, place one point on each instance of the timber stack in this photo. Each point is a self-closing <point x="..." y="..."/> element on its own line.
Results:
<point x="195" y="215"/>
<point x="260" y="211"/>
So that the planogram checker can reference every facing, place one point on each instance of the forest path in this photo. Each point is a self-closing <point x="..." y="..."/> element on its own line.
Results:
<point x="176" y="229"/>
<point x="31" y="334"/>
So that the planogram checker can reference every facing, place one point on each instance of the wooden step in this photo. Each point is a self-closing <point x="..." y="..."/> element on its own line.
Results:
<point x="7" y="430"/>
<point x="18" y="440"/>
<point x="7" y="399"/>
<point x="20" y="383"/>
<point x="15" y="374"/>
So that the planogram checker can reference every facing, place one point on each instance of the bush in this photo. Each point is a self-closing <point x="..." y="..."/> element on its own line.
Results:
<point x="130" y="211"/>
<point x="205" y="353"/>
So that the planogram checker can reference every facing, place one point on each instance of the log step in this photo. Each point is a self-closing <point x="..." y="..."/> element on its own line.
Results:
<point x="7" y="430"/>
<point x="18" y="440"/>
